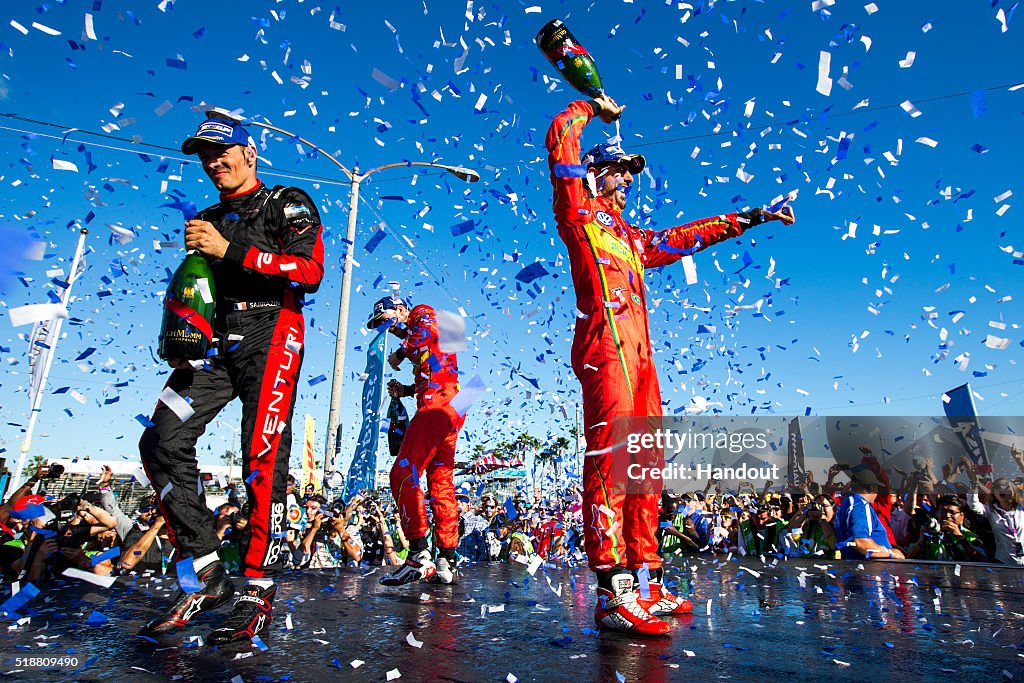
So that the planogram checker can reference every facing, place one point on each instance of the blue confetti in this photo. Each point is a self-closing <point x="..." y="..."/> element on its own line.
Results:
<point x="97" y="618"/>
<point x="187" y="578"/>
<point x="531" y="273"/>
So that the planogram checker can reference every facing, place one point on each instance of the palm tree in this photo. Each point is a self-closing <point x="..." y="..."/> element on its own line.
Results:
<point x="559" y="448"/>
<point x="35" y="463"/>
<point x="228" y="459"/>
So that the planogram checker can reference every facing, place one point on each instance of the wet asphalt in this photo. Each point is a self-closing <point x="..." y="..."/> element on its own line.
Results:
<point x="791" y="620"/>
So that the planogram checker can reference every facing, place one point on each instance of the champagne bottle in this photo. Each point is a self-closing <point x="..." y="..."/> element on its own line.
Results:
<point x="398" y="417"/>
<point x="187" y="329"/>
<point x="571" y="59"/>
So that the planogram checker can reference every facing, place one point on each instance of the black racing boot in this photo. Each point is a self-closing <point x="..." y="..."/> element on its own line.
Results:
<point x="216" y="590"/>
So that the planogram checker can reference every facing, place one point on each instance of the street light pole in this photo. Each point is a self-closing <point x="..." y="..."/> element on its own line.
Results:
<point x="338" y="379"/>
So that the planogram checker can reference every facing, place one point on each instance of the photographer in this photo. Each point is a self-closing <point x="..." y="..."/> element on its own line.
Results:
<point x="378" y="543"/>
<point x="945" y="536"/>
<point x="817" y="536"/>
<point x="59" y="545"/>
<point x="143" y="544"/>
<point x="327" y="542"/>
<point x="42" y="472"/>
<point x="472" y="530"/>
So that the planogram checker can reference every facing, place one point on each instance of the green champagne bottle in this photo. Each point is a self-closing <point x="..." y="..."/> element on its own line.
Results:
<point x="398" y="417"/>
<point x="187" y="329"/>
<point x="571" y="59"/>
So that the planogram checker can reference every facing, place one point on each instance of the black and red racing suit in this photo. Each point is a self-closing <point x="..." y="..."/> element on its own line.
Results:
<point x="275" y="255"/>
<point x="611" y="350"/>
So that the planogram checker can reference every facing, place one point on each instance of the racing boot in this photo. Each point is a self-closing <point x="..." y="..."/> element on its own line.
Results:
<point x="249" y="617"/>
<point x="661" y="602"/>
<point x="618" y="609"/>
<point x="417" y="566"/>
<point x="216" y="590"/>
<point x="447" y="571"/>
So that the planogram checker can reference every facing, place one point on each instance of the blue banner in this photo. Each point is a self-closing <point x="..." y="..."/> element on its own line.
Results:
<point x="363" y="471"/>
<point x="959" y="406"/>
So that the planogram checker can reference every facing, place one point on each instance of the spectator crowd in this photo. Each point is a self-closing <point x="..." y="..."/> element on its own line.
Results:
<point x="964" y="516"/>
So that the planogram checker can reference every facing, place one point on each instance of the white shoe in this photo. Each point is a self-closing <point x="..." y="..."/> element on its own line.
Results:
<point x="416" y="567"/>
<point x="447" y="572"/>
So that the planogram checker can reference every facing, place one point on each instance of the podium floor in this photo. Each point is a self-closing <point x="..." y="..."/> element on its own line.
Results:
<point x="795" y="621"/>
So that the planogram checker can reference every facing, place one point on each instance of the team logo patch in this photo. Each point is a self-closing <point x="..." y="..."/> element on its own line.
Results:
<point x="293" y="211"/>
<point x="605" y="219"/>
<point x="298" y="217"/>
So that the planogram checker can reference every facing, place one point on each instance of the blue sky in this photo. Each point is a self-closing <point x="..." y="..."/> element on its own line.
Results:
<point x="738" y="80"/>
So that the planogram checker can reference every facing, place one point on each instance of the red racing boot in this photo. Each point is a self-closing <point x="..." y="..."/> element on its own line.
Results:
<point x="417" y="566"/>
<point x="663" y="603"/>
<point x="618" y="609"/>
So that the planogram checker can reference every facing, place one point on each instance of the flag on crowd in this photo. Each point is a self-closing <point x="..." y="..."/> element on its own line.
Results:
<point x="489" y="463"/>
<point x="363" y="469"/>
<point x="963" y="418"/>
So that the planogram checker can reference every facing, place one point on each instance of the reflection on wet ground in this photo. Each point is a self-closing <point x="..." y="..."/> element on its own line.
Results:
<point x="793" y="620"/>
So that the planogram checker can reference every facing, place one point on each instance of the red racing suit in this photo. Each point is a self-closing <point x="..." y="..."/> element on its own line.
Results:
<point x="429" y="444"/>
<point x="611" y="350"/>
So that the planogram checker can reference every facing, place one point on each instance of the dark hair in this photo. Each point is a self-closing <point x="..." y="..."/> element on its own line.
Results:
<point x="950" y="500"/>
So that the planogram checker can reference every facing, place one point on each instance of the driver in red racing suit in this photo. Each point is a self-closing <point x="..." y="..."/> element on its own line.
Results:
<point x="611" y="354"/>
<point x="428" y="447"/>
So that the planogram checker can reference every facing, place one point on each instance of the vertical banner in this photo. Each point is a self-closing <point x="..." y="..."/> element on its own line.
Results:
<point x="309" y="472"/>
<point x="43" y="344"/>
<point x="962" y="415"/>
<point x="362" y="472"/>
<point x="796" y="471"/>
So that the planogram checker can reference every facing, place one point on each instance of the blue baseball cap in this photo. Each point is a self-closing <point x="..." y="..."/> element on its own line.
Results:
<point x="607" y="153"/>
<point x="388" y="303"/>
<point x="218" y="132"/>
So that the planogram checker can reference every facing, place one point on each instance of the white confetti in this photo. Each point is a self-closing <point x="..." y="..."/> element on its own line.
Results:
<point x="909" y="107"/>
<point x="176" y="403"/>
<point x="471" y="392"/>
<point x="824" y="82"/>
<point x="204" y="290"/>
<point x="104" y="581"/>
<point x="394" y="674"/>
<point x="61" y="165"/>
<point x="89" y="31"/>
<point x="34" y="313"/>
<point x="411" y="639"/>
<point x="998" y="343"/>
<point x="45" y="29"/>
<point x="451" y="332"/>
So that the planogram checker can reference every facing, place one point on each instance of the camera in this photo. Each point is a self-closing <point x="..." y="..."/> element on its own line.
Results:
<point x="54" y="471"/>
